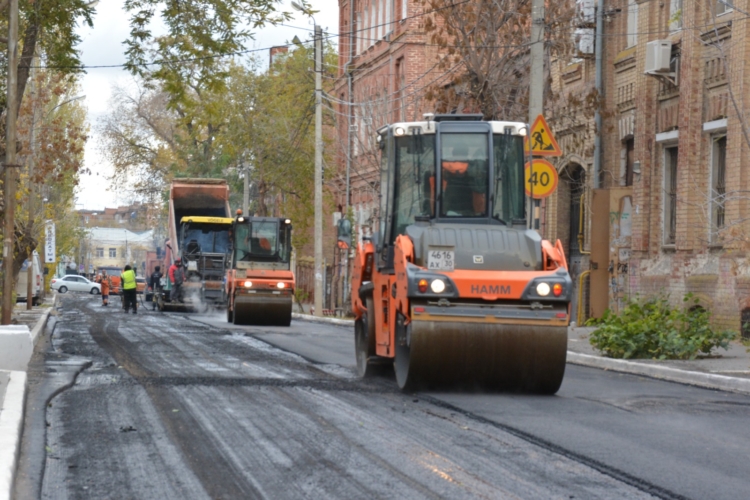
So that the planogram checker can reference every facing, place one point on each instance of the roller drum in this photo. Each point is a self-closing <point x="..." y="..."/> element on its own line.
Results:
<point x="263" y="309"/>
<point x="481" y="356"/>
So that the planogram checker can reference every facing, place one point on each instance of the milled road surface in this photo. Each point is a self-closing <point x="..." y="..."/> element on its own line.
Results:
<point x="185" y="406"/>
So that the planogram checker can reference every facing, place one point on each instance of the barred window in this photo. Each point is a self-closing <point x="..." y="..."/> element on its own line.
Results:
<point x="718" y="183"/>
<point x="670" y="195"/>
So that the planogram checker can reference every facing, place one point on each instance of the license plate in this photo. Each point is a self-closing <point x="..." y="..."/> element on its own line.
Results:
<point x="440" y="260"/>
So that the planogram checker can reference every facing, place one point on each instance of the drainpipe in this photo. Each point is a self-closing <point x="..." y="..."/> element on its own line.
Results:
<point x="598" y="51"/>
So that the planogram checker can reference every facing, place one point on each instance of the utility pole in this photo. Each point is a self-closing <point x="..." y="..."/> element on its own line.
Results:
<point x="10" y="163"/>
<point x="536" y="84"/>
<point x="318" y="244"/>
<point x="318" y="171"/>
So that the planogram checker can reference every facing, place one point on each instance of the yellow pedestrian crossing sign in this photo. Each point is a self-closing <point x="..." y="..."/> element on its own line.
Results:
<point x="543" y="143"/>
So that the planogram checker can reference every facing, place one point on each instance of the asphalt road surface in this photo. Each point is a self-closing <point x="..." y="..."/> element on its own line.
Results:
<point x="186" y="406"/>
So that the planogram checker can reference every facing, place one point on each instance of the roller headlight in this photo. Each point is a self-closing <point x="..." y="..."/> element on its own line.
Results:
<point x="437" y="286"/>
<point x="399" y="131"/>
<point x="422" y="285"/>
<point x="248" y="284"/>
<point x="557" y="289"/>
<point x="543" y="289"/>
<point x="280" y="284"/>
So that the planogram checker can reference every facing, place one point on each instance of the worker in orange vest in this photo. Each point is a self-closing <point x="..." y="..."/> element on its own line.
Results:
<point x="106" y="284"/>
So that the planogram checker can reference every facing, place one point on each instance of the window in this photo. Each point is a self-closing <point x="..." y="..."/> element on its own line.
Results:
<point x="415" y="170"/>
<point x="724" y="6"/>
<point x="670" y="195"/>
<point x="718" y="183"/>
<point x="381" y="25"/>
<point x="100" y="252"/>
<point x="675" y="15"/>
<point x="628" y="151"/>
<point x="259" y="241"/>
<point x="388" y="17"/>
<point x="509" y="202"/>
<point x="464" y="173"/>
<point x="112" y="253"/>
<point x="632" y="23"/>
<point x="404" y="9"/>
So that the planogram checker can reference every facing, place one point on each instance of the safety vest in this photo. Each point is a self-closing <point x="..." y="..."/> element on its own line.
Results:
<point x="128" y="280"/>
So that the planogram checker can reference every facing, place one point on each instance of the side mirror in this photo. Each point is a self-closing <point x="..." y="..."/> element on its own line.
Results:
<point x="344" y="233"/>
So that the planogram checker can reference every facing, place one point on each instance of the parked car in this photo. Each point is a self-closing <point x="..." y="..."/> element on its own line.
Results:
<point x="75" y="283"/>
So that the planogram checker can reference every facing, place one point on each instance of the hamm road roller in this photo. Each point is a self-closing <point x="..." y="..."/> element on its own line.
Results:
<point x="453" y="289"/>
<point x="260" y="283"/>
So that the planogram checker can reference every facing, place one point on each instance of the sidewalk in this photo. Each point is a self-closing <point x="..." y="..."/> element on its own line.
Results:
<point x="723" y="370"/>
<point x="12" y="397"/>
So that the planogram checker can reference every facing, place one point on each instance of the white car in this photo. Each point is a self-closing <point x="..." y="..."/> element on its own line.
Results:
<point x="75" y="283"/>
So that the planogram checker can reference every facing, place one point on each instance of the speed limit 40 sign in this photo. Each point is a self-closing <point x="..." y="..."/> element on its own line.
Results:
<point x="541" y="180"/>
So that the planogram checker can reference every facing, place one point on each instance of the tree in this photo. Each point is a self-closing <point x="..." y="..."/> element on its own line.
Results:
<point x="483" y="48"/>
<point x="52" y="134"/>
<point x="270" y="128"/>
<point x="48" y="28"/>
<point x="48" y="31"/>
<point x="262" y="121"/>
<point x="189" y="63"/>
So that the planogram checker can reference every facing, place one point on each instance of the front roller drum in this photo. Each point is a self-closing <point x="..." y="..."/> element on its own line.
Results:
<point x="260" y="309"/>
<point x="480" y="356"/>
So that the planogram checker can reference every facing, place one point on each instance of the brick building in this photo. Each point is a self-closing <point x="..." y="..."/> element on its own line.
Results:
<point x="667" y="208"/>
<point x="384" y="69"/>
<point x="673" y="145"/>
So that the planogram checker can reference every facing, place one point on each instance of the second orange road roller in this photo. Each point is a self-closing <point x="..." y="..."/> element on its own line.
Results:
<point x="259" y="288"/>
<point x="453" y="289"/>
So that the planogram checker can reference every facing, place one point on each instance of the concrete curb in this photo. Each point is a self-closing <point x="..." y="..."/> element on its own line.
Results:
<point x="11" y="423"/>
<point x="11" y="416"/>
<point x="699" y="379"/>
<point x="40" y="324"/>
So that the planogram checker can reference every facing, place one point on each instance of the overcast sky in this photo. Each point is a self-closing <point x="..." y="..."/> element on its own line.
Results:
<point x="102" y="45"/>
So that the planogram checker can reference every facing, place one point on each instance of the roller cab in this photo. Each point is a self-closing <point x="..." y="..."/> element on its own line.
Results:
<point x="259" y="287"/>
<point x="452" y="289"/>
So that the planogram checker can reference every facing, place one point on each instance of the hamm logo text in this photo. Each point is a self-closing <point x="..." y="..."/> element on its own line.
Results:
<point x="491" y="289"/>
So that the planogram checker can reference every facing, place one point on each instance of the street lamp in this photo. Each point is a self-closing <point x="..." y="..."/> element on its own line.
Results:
<point x="318" y="246"/>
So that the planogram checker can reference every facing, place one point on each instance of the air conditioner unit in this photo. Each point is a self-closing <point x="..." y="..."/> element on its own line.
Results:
<point x="584" y="40"/>
<point x="658" y="57"/>
<point x="586" y="11"/>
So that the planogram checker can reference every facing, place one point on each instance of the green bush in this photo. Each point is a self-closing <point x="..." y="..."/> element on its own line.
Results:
<point x="653" y="329"/>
